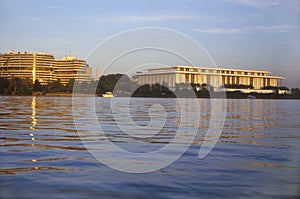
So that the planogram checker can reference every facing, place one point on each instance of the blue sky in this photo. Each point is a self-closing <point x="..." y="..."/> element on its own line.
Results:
<point x="247" y="34"/>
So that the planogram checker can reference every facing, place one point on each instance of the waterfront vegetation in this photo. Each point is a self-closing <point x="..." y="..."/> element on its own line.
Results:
<point x="122" y="85"/>
<point x="107" y="83"/>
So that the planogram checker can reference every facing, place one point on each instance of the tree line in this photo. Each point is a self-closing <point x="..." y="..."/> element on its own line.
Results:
<point x="107" y="83"/>
<point x="119" y="84"/>
<point x="21" y="86"/>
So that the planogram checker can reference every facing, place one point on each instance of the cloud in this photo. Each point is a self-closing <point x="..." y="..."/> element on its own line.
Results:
<point x="257" y="3"/>
<point x="293" y="5"/>
<point x="219" y="30"/>
<point x="256" y="29"/>
<point x="277" y="29"/>
<point x="132" y="19"/>
<point x="158" y="18"/>
<point x="144" y="18"/>
<point x="55" y="7"/>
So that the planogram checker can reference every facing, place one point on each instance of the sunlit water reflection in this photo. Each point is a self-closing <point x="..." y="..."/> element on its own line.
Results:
<point x="42" y="155"/>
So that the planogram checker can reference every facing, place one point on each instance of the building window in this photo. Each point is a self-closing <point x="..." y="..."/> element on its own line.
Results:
<point x="186" y="78"/>
<point x="192" y="78"/>
<point x="251" y="81"/>
<point x="233" y="80"/>
<point x="208" y="79"/>
<point x="246" y="73"/>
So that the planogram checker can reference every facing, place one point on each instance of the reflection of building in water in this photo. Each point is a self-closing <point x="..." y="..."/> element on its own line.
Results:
<point x="250" y="116"/>
<point x="43" y="67"/>
<point x="33" y="108"/>
<point x="33" y="123"/>
<point x="215" y="77"/>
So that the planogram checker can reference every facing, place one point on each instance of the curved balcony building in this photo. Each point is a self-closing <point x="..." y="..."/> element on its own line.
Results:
<point x="72" y="68"/>
<point x="43" y="67"/>
<point x="27" y="65"/>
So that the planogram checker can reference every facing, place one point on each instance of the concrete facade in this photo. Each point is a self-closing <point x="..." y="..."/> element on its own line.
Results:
<point x="44" y="67"/>
<point x="216" y="77"/>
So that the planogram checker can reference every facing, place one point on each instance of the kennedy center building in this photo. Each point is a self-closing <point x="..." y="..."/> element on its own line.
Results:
<point x="216" y="77"/>
<point x="43" y="67"/>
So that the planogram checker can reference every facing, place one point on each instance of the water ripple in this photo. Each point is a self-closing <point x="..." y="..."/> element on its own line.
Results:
<point x="257" y="152"/>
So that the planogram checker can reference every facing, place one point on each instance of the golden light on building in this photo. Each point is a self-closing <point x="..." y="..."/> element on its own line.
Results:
<point x="34" y="68"/>
<point x="216" y="77"/>
<point x="43" y="67"/>
<point x="72" y="68"/>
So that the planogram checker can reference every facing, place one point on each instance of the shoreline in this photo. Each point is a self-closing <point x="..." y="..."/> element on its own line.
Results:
<point x="164" y="95"/>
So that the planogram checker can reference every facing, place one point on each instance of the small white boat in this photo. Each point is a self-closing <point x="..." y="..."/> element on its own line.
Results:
<point x="108" y="95"/>
<point x="251" y="97"/>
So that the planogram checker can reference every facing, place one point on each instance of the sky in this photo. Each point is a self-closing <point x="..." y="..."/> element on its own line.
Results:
<point x="242" y="34"/>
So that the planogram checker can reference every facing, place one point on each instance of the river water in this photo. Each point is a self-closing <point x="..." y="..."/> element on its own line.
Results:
<point x="43" y="156"/>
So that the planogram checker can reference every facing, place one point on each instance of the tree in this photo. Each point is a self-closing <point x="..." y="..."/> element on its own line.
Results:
<point x="84" y="87"/>
<point x="19" y="86"/>
<point x="142" y="89"/>
<point x="238" y="86"/>
<point x="295" y="91"/>
<point x="70" y="85"/>
<point x="37" y="87"/>
<point x="56" y="86"/>
<point x="283" y="88"/>
<point x="123" y="84"/>
<point x="4" y="84"/>
<point x="111" y="82"/>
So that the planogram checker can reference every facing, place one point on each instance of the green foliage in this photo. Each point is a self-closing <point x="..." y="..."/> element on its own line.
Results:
<point x="15" y="86"/>
<point x="120" y="84"/>
<point x="70" y="86"/>
<point x="238" y="86"/>
<point x="56" y="87"/>
<point x="283" y="88"/>
<point x="295" y="91"/>
<point x="154" y="90"/>
<point x="270" y="88"/>
<point x="37" y="87"/>
<point x="114" y="82"/>
<point x="4" y="86"/>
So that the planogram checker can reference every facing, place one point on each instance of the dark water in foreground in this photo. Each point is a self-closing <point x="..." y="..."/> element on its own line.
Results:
<point x="257" y="155"/>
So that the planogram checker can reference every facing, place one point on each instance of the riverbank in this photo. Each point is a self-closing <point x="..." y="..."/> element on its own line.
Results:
<point x="72" y="95"/>
<point x="228" y="95"/>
